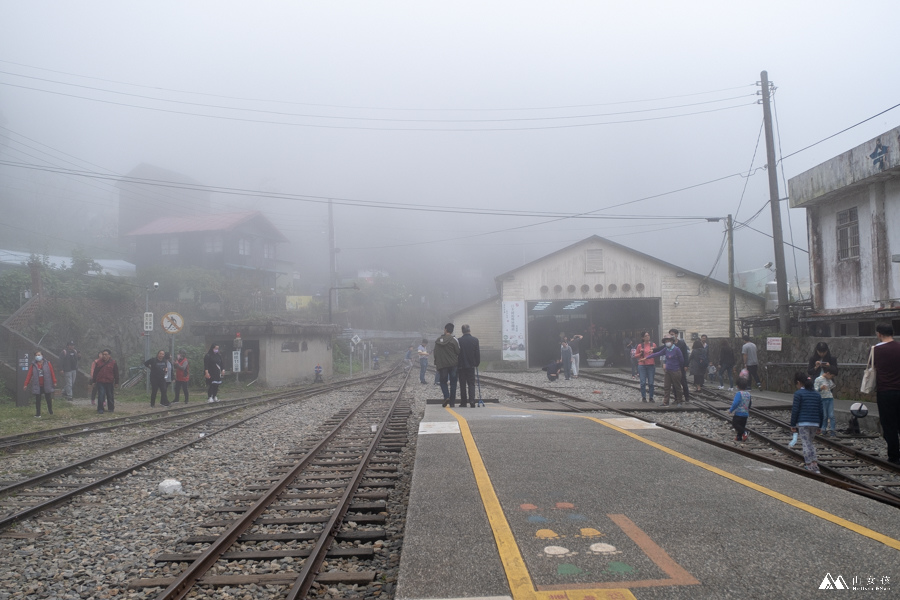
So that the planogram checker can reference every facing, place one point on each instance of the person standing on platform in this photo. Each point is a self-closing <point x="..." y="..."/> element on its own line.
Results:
<point x="159" y="373"/>
<point x="821" y="358"/>
<point x="751" y="360"/>
<point x="446" y="359"/>
<point x="213" y="371"/>
<point x="824" y="384"/>
<point x="575" y="345"/>
<point x="565" y="353"/>
<point x="674" y="369"/>
<point x="182" y="375"/>
<point x="726" y="365"/>
<point x="686" y="356"/>
<point x="42" y="380"/>
<point x="68" y="359"/>
<point x="422" y="351"/>
<point x="106" y="376"/>
<point x="646" y="366"/>
<point x="741" y="409"/>
<point x="806" y="417"/>
<point x="887" y="387"/>
<point x="469" y="359"/>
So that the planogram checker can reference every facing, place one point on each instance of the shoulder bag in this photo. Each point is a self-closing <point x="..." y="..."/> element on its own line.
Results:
<point x="868" y="380"/>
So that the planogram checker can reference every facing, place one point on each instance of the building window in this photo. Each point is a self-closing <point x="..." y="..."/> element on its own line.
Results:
<point x="866" y="329"/>
<point x="848" y="234"/>
<point x="170" y="245"/>
<point x="212" y="244"/>
<point x="268" y="250"/>
<point x="244" y="247"/>
<point x="593" y="260"/>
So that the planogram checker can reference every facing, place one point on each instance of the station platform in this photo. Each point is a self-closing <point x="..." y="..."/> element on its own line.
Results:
<point x="508" y="502"/>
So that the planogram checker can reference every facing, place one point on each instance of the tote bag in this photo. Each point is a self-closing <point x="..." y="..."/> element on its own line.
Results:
<point x="868" y="380"/>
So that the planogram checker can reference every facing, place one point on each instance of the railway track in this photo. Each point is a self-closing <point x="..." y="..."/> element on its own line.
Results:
<point x="842" y="465"/>
<point x="323" y="499"/>
<point x="161" y="435"/>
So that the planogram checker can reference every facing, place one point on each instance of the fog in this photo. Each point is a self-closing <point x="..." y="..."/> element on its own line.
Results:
<point x="550" y="109"/>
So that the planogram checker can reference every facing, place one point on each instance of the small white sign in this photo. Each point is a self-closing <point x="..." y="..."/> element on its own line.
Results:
<point x="148" y="321"/>
<point x="236" y="361"/>
<point x="355" y="339"/>
<point x="773" y="344"/>
<point x="438" y="427"/>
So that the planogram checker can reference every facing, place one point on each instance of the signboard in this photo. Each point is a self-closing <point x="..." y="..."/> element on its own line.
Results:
<point x="148" y="321"/>
<point x="172" y="322"/>
<point x="297" y="302"/>
<point x="236" y="361"/>
<point x="513" y="331"/>
<point x="355" y="339"/>
<point x="773" y="344"/>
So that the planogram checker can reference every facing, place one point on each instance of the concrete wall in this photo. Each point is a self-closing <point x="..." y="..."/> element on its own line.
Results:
<point x="700" y="308"/>
<point x="279" y="368"/>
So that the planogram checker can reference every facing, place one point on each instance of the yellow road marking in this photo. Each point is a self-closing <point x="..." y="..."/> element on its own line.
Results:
<point x="520" y="584"/>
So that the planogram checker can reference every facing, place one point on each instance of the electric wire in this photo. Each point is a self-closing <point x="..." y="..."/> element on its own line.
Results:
<point x="838" y="133"/>
<point x="409" y="109"/>
<point x="376" y="119"/>
<point x="358" y="128"/>
<point x="786" y="193"/>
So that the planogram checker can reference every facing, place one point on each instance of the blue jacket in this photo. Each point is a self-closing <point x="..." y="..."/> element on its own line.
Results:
<point x="674" y="358"/>
<point x="807" y="408"/>
<point x="741" y="405"/>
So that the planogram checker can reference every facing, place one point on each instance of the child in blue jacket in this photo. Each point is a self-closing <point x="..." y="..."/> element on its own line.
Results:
<point x="741" y="409"/>
<point x="807" y="416"/>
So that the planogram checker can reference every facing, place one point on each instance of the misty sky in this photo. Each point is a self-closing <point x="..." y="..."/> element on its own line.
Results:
<point x="557" y="108"/>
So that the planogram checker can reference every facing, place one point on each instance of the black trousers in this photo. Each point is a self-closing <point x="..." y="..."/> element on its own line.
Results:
<point x="163" y="388"/>
<point x="466" y="384"/>
<point x="181" y="385"/>
<point x="889" y="415"/>
<point x="37" y="403"/>
<point x="212" y="389"/>
<point x="106" y="393"/>
<point x="739" y="424"/>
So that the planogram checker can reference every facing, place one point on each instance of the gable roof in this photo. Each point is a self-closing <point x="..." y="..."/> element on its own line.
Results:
<point x="207" y="223"/>
<point x="597" y="238"/>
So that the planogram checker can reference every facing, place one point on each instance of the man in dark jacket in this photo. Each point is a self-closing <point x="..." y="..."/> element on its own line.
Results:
<point x="68" y="359"/>
<point x="446" y="359"/>
<point x="685" y="355"/>
<point x="469" y="359"/>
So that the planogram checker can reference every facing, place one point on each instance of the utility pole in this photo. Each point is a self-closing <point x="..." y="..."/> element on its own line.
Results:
<point x="784" y="316"/>
<point x="729" y="224"/>
<point x="332" y="258"/>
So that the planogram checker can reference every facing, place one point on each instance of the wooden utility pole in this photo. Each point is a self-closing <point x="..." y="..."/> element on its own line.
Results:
<point x="729" y="224"/>
<point x="332" y="258"/>
<point x="784" y="316"/>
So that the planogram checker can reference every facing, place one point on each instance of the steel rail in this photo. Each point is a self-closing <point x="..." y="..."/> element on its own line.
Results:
<point x="186" y="580"/>
<point x="312" y="564"/>
<point x="836" y="480"/>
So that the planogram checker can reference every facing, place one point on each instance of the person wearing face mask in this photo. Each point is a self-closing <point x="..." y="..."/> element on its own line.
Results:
<point x="182" y="375"/>
<point x="674" y="369"/>
<point x="42" y="380"/>
<point x="213" y="371"/>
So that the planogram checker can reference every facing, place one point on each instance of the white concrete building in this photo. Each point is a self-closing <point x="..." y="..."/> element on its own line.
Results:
<point x="604" y="291"/>
<point x="852" y="204"/>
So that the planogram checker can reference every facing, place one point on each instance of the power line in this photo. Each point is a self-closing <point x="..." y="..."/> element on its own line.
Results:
<point x="375" y="119"/>
<point x="768" y="235"/>
<point x="838" y="133"/>
<point x="353" y="127"/>
<point x="409" y="109"/>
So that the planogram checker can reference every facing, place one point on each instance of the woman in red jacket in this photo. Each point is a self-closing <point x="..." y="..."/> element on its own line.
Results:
<point x="42" y="380"/>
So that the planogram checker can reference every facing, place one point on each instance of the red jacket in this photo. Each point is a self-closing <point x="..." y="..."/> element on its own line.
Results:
<point x="182" y="370"/>
<point x="106" y="372"/>
<point x="42" y="382"/>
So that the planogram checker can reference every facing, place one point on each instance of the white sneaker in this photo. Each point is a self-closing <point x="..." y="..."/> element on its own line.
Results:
<point x="721" y="387"/>
<point x="215" y="398"/>
<point x="210" y="400"/>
